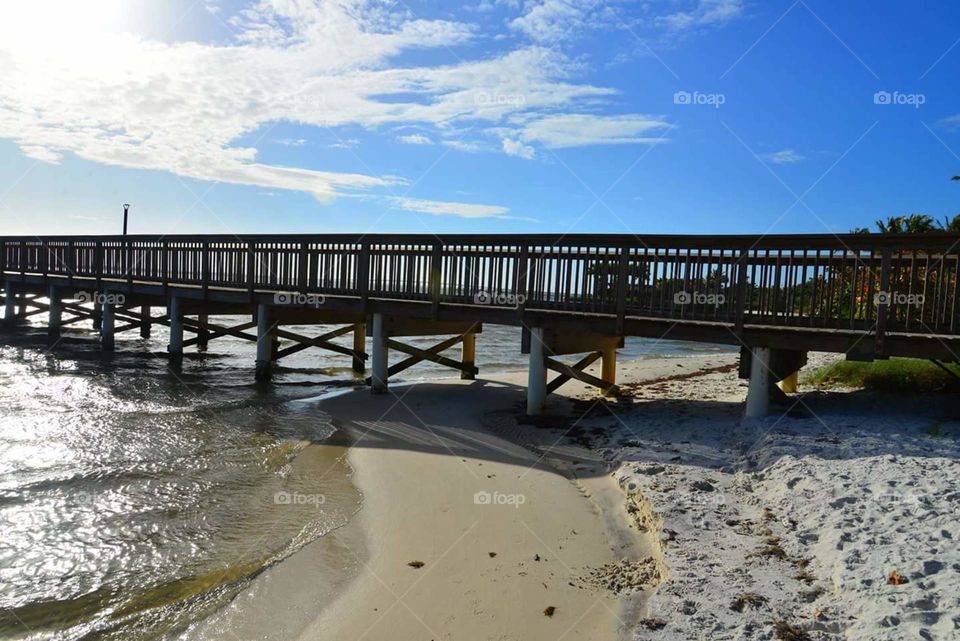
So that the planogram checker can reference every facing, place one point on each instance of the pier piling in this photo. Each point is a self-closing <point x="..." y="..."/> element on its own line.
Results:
<point x="758" y="393"/>
<point x="536" y="373"/>
<point x="175" y="346"/>
<point x="55" y="312"/>
<point x="379" y="356"/>
<point x="107" y="326"/>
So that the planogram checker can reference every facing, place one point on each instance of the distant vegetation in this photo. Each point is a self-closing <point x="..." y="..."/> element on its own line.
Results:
<point x="899" y="375"/>
<point x="912" y="224"/>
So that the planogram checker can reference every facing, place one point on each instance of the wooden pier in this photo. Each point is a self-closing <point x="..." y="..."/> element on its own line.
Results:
<point x="776" y="297"/>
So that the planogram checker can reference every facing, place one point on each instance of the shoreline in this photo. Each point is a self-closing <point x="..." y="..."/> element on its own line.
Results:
<point x="491" y="570"/>
<point x="664" y="512"/>
<point x="572" y="546"/>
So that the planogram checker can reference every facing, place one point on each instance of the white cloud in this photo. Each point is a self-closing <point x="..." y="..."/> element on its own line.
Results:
<point x="952" y="122"/>
<point x="579" y="130"/>
<point x="184" y="107"/>
<point x="442" y="208"/>
<point x="552" y="21"/>
<point x="415" y="139"/>
<point x="460" y="145"/>
<point x="517" y="148"/>
<point x="784" y="157"/>
<point x="705" y="13"/>
<point x="43" y="154"/>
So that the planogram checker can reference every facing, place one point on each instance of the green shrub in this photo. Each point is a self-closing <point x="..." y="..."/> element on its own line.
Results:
<point x="899" y="375"/>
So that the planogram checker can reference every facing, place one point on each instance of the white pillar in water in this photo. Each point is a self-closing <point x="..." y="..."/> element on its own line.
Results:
<point x="9" y="304"/>
<point x="758" y="394"/>
<point x="55" y="312"/>
<point x="379" y="357"/>
<point x="264" y="343"/>
<point x="536" y="373"/>
<point x="175" y="346"/>
<point x="106" y="326"/>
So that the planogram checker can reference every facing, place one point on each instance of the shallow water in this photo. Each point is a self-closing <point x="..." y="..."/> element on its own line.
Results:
<point x="134" y="501"/>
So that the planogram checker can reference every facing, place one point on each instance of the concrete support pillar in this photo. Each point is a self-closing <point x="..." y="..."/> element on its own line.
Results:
<point x="9" y="305"/>
<point x="536" y="373"/>
<point x="266" y="354"/>
<point x="608" y="368"/>
<point x="55" y="312"/>
<point x="359" y="346"/>
<point x="203" y="336"/>
<point x="469" y="356"/>
<point x="758" y="394"/>
<point x="790" y="383"/>
<point x="175" y="346"/>
<point x="106" y="328"/>
<point x="379" y="356"/>
<point x="147" y="325"/>
<point x="97" y="316"/>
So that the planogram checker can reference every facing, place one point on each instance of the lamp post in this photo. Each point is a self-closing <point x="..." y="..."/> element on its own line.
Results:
<point x="126" y="209"/>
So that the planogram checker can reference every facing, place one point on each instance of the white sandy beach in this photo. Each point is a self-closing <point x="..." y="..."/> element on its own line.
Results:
<point x="662" y="515"/>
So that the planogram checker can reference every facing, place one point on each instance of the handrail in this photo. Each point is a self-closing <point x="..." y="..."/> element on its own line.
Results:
<point x="870" y="282"/>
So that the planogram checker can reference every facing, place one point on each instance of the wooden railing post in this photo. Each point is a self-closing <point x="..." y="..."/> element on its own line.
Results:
<point x="622" y="277"/>
<point x="165" y="265"/>
<point x="71" y="261"/>
<point x="436" y="260"/>
<point x="251" y="267"/>
<point x="128" y="260"/>
<point x="45" y="260"/>
<point x="205" y="266"/>
<point x="740" y="311"/>
<point x="302" y="267"/>
<point x="885" y="302"/>
<point x="98" y="262"/>
<point x="522" y="286"/>
<point x="363" y="274"/>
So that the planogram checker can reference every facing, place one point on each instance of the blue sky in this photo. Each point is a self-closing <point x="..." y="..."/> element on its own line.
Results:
<point x="486" y="116"/>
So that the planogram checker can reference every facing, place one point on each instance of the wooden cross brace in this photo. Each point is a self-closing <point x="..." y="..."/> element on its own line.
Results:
<point x="576" y="371"/>
<point x="322" y="341"/>
<point x="431" y="354"/>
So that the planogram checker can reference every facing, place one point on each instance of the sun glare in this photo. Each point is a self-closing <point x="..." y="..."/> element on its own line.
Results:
<point x="55" y="25"/>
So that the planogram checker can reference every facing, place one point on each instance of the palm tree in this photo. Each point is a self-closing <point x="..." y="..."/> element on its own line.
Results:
<point x="912" y="224"/>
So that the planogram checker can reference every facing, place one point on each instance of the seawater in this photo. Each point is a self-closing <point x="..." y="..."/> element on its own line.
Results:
<point x="136" y="501"/>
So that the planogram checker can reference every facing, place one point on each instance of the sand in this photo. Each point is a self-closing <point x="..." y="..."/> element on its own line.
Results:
<point x="663" y="515"/>
<point x="507" y="542"/>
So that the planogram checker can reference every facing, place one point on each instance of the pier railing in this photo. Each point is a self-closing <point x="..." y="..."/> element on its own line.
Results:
<point x="886" y="283"/>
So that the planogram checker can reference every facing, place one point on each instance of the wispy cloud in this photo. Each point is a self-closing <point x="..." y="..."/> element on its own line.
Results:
<point x="415" y="139"/>
<point x="703" y="13"/>
<point x="783" y="157"/>
<point x="952" y="122"/>
<point x="444" y="208"/>
<point x="580" y="130"/>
